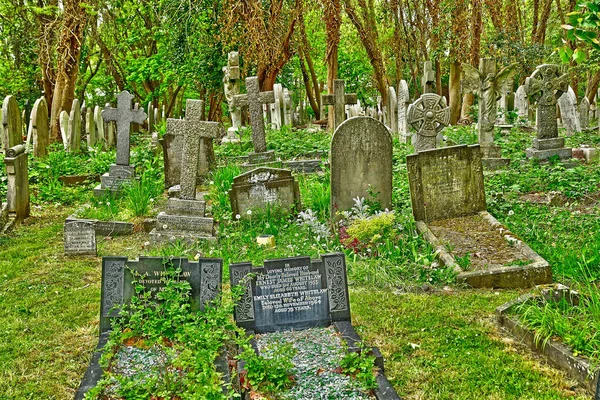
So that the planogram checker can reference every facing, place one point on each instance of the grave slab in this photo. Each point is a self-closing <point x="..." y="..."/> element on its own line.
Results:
<point x="80" y="238"/>
<point x="448" y="202"/>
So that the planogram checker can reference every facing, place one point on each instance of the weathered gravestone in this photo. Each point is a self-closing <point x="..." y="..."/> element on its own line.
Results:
<point x="361" y="163"/>
<point x="150" y="117"/>
<point x="584" y="113"/>
<point x="173" y="141"/>
<point x="39" y="127"/>
<point x="264" y="187"/>
<point x="118" y="276"/>
<point x="403" y="103"/>
<point x="338" y="99"/>
<point x="12" y="130"/>
<point x="17" y="192"/>
<point x="254" y="99"/>
<point x="99" y="123"/>
<point x="74" y="128"/>
<point x="121" y="172"/>
<point x="489" y="85"/>
<point x="392" y="111"/>
<point x="428" y="78"/>
<point x="90" y="128"/>
<point x="545" y="86"/>
<point x="428" y="116"/>
<point x="80" y="238"/>
<point x="275" y="109"/>
<point x="299" y="293"/>
<point x="63" y="119"/>
<point x="505" y="95"/>
<point x="449" y="207"/>
<point x="568" y="111"/>
<point x="522" y="103"/>
<point x="185" y="216"/>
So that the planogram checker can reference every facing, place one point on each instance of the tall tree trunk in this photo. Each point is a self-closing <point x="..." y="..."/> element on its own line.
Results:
<point x="69" y="52"/>
<point x="476" y="28"/>
<point x="454" y="92"/>
<point x="333" y="20"/>
<point x="592" y="88"/>
<point x="312" y="95"/>
<point x="47" y="25"/>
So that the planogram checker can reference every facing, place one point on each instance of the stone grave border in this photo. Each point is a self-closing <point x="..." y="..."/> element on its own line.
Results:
<point x="94" y="371"/>
<point x="106" y="228"/>
<point x="536" y="272"/>
<point x="340" y="322"/>
<point x="559" y="354"/>
<point x="78" y="180"/>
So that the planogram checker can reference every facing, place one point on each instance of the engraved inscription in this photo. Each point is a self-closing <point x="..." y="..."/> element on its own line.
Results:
<point x="113" y="287"/>
<point x="336" y="282"/>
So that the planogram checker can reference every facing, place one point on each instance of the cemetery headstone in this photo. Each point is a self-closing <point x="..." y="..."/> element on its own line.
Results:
<point x="264" y="187"/>
<point x="338" y="99"/>
<point x="231" y="79"/>
<point x="117" y="289"/>
<point x="361" y="163"/>
<point x="449" y="208"/>
<point x="17" y="192"/>
<point x="568" y="111"/>
<point x="403" y="103"/>
<point x="428" y="116"/>
<point x="39" y="128"/>
<point x="522" y="103"/>
<point x="80" y="238"/>
<point x="150" y="113"/>
<point x="504" y="93"/>
<point x="489" y="85"/>
<point x="545" y="86"/>
<point x="276" y="108"/>
<point x="584" y="113"/>
<point x="287" y="107"/>
<point x="74" y="128"/>
<point x="90" y="128"/>
<point x="392" y="110"/>
<point x="99" y="124"/>
<point x="254" y="99"/>
<point x="428" y="78"/>
<point x="64" y="128"/>
<point x="12" y="130"/>
<point x="122" y="171"/>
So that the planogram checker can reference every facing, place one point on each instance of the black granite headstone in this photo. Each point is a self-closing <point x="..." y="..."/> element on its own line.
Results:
<point x="292" y="293"/>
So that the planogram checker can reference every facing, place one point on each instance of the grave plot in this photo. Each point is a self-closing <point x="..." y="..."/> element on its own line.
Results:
<point x="301" y="307"/>
<point x="572" y="311"/>
<point x="448" y="202"/>
<point x="162" y="299"/>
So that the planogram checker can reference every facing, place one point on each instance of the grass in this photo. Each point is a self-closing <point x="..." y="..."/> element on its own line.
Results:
<point x="442" y="344"/>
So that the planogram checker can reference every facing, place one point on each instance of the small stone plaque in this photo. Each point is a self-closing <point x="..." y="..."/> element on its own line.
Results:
<point x="204" y="276"/>
<point x="80" y="238"/>
<point x="292" y="293"/>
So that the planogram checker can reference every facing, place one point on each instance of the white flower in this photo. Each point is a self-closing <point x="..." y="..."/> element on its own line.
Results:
<point x="164" y="226"/>
<point x="511" y="212"/>
<point x="249" y="212"/>
<point x="238" y="216"/>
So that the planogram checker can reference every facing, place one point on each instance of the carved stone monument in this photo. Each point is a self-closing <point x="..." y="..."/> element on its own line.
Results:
<point x="545" y="86"/>
<point x="124" y="115"/>
<point x="338" y="99"/>
<point x="403" y="103"/>
<point x="584" y="113"/>
<point x="231" y="80"/>
<point x="12" y="130"/>
<point x="428" y="116"/>
<point x="17" y="192"/>
<point x="80" y="238"/>
<point x="38" y="124"/>
<point x="428" y="78"/>
<point x="569" y="113"/>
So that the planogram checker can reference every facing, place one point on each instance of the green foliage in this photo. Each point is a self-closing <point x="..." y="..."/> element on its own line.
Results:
<point x="583" y="27"/>
<point x="361" y="366"/>
<point x="269" y="374"/>
<point x="372" y="229"/>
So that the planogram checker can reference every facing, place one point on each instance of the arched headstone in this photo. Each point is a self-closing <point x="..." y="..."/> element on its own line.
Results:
<point x="361" y="163"/>
<point x="12" y="130"/>
<point x="39" y="127"/>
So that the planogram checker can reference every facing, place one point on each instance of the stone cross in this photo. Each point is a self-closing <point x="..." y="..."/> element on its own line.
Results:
<point x="124" y="115"/>
<point x="254" y="99"/>
<point x="193" y="130"/>
<point x="428" y="115"/>
<point x="428" y="78"/>
<point x="338" y="100"/>
<point x="546" y="85"/>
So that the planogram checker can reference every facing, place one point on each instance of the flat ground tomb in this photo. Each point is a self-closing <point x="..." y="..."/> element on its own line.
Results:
<point x="117" y="288"/>
<point x="299" y="294"/>
<point x="448" y="203"/>
<point x="264" y="187"/>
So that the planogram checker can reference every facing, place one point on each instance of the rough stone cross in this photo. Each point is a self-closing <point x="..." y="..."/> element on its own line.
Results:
<point x="428" y="77"/>
<point x="546" y="85"/>
<point x="428" y="115"/>
<point x="338" y="100"/>
<point x="254" y="99"/>
<point x="193" y="129"/>
<point x="124" y="115"/>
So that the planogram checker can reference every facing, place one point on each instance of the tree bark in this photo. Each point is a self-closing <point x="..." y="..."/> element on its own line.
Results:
<point x="333" y="20"/>
<point x="454" y="92"/>
<point x="312" y="95"/>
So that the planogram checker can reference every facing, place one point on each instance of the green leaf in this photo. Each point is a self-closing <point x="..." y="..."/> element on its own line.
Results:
<point x="579" y="56"/>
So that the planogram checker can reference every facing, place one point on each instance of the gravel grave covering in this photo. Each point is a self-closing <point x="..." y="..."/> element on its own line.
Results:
<point x="319" y="352"/>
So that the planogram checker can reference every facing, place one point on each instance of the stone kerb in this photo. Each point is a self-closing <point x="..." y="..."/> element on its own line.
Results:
<point x="448" y="202"/>
<point x="361" y="163"/>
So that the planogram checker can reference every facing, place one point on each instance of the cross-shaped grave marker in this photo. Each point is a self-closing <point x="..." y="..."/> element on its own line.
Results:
<point x="254" y="99"/>
<point x="428" y="77"/>
<point x="546" y="85"/>
<point x="428" y="115"/>
<point x="338" y="100"/>
<point x="193" y="130"/>
<point x="124" y="115"/>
